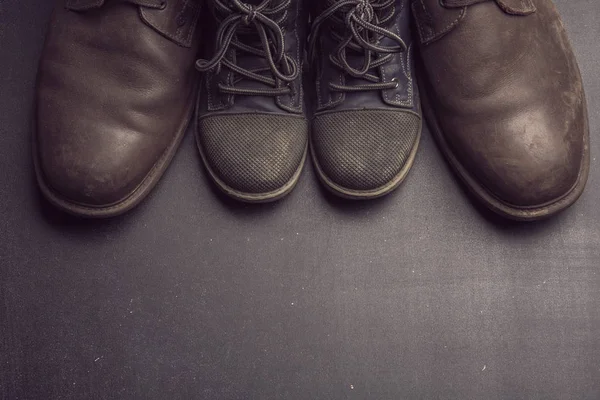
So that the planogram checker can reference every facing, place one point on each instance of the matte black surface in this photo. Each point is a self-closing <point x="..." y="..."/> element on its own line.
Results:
<point x="417" y="295"/>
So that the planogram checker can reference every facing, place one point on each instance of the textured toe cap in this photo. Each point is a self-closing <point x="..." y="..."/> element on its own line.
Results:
<point x="364" y="150"/>
<point x="253" y="154"/>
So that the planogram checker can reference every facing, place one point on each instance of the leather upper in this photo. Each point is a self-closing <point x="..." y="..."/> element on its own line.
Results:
<point x="115" y="84"/>
<point x="175" y="19"/>
<point x="506" y="92"/>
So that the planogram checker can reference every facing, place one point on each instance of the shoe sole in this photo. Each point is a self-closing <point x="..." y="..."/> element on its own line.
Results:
<point x="490" y="200"/>
<point x="250" y="197"/>
<point x="368" y="194"/>
<point x="133" y="199"/>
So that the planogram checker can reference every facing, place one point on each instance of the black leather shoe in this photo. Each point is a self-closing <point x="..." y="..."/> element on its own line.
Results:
<point x="367" y="122"/>
<point x="116" y="89"/>
<point x="251" y="126"/>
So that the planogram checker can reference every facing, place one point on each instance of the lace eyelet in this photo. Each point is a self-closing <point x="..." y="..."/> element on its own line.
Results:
<point x="163" y="5"/>
<point x="395" y="80"/>
<point x="292" y="88"/>
<point x="181" y="20"/>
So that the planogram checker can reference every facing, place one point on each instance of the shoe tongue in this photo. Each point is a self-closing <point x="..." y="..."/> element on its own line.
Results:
<point x="251" y="61"/>
<point x="354" y="58"/>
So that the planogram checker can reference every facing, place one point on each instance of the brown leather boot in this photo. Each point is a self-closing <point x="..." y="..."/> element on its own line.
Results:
<point x="503" y="96"/>
<point x="115" y="93"/>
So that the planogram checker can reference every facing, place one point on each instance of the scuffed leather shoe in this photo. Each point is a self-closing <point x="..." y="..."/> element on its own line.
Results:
<point x="116" y="89"/>
<point x="367" y="123"/>
<point x="503" y="95"/>
<point x="252" y="132"/>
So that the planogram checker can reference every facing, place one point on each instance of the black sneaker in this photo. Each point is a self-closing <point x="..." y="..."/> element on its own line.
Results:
<point x="367" y="122"/>
<point x="252" y="131"/>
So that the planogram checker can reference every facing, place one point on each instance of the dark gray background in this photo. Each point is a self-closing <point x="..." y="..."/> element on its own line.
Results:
<point x="418" y="295"/>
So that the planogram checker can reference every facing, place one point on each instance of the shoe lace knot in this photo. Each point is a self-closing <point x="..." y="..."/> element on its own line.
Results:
<point x="251" y="14"/>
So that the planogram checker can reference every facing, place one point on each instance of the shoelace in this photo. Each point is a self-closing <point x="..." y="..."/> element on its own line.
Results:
<point x="364" y="19"/>
<point x="243" y="20"/>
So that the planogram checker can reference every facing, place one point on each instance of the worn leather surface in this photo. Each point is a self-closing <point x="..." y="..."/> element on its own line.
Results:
<point x="419" y="295"/>
<point x="115" y="81"/>
<point x="506" y="91"/>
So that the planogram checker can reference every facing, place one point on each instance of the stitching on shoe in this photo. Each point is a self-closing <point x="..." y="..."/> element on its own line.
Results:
<point x="407" y="73"/>
<point x="280" y="99"/>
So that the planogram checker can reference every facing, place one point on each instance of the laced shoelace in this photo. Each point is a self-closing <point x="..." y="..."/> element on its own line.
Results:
<point x="358" y="26"/>
<point x="241" y="21"/>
